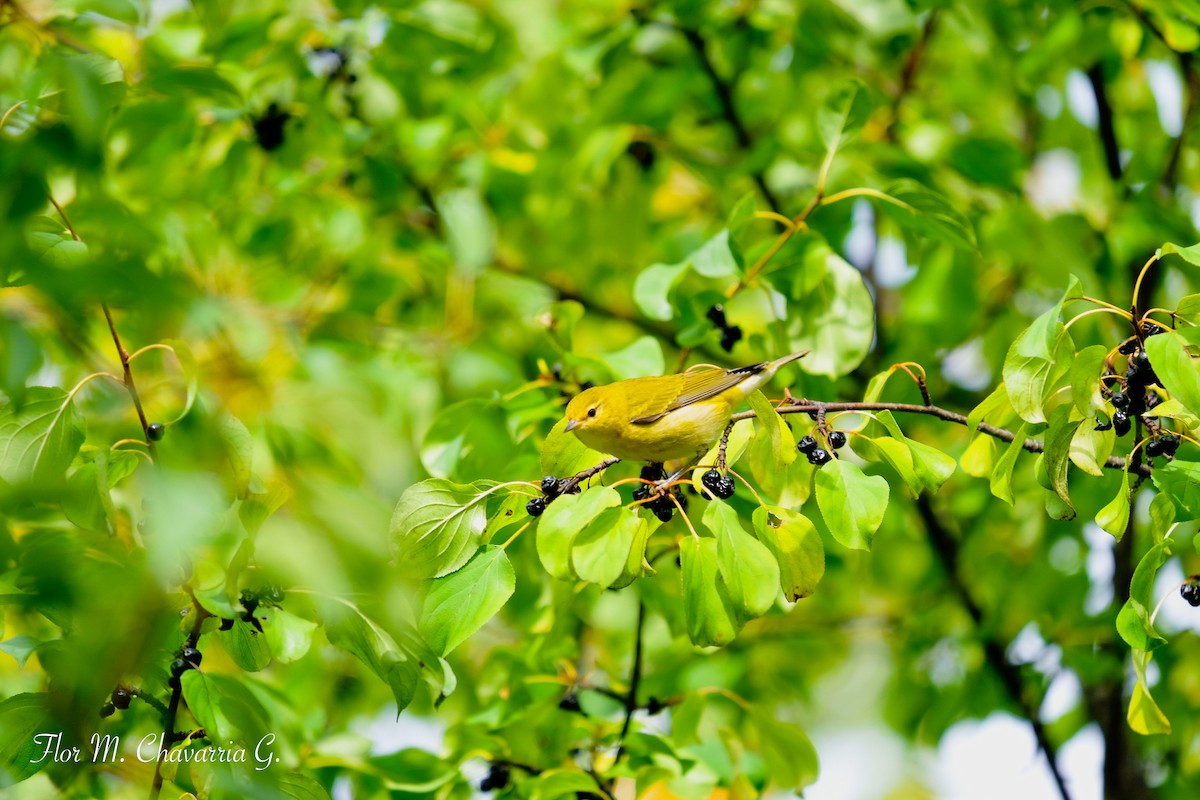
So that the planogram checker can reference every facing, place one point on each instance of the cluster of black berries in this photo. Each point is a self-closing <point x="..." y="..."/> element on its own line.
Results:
<point x="730" y="334"/>
<point x="187" y="658"/>
<point x="818" y="455"/>
<point x="661" y="505"/>
<point x="251" y="599"/>
<point x="1165" y="445"/>
<point x="720" y="485"/>
<point x="1191" y="591"/>
<point x="1134" y="395"/>
<point x="119" y="700"/>
<point x="497" y="778"/>
<point x="552" y="487"/>
<point x="268" y="127"/>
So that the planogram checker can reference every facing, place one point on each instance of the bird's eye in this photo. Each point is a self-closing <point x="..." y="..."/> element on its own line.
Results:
<point x="592" y="411"/>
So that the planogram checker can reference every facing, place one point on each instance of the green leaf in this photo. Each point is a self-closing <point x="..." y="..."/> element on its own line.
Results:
<point x="1180" y="480"/>
<point x="1038" y="358"/>
<point x="797" y="547"/>
<point x="1059" y="435"/>
<point x="835" y="317"/>
<point x="652" y="289"/>
<point x="348" y="629"/>
<point x="1145" y="717"/>
<point x="644" y="356"/>
<point x="39" y="440"/>
<point x="600" y="551"/>
<point x="1188" y="309"/>
<point x="413" y="771"/>
<point x="22" y="717"/>
<point x="1085" y="379"/>
<point x="563" y="454"/>
<point x="929" y="214"/>
<point x="929" y="467"/>
<point x="470" y="232"/>
<point x="773" y="446"/>
<point x="246" y="646"/>
<point x="20" y="648"/>
<point x="706" y="605"/>
<point x="843" y="114"/>
<point x="1176" y="370"/>
<point x="746" y="565"/>
<point x="554" y="784"/>
<point x="54" y="245"/>
<point x="298" y="786"/>
<point x="563" y="520"/>
<point x="714" y="259"/>
<point x="895" y="454"/>
<point x="288" y="636"/>
<point x="436" y="527"/>
<point x="851" y="502"/>
<point x="1188" y="254"/>
<point x="1002" y="475"/>
<point x="996" y="409"/>
<point x="1091" y="448"/>
<point x="460" y="603"/>
<point x="239" y="447"/>
<point x="465" y="439"/>
<point x="790" y="756"/>
<point x="1114" y="517"/>
<point x="204" y="701"/>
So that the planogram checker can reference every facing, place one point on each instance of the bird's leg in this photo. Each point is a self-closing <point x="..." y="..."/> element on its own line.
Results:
<point x="723" y="446"/>
<point x="660" y="486"/>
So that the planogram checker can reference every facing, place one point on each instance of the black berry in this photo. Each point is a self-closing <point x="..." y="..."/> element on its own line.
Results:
<point x="710" y="480"/>
<point x="535" y="507"/>
<point x="642" y="153"/>
<point x="191" y="655"/>
<point x="497" y="778"/>
<point x="641" y="492"/>
<point x="819" y="456"/>
<point x="1141" y="359"/>
<point x="652" y="472"/>
<point x="1150" y="329"/>
<point x="121" y="697"/>
<point x="1154" y="448"/>
<point x="107" y="710"/>
<point x="1102" y="425"/>
<point x="837" y="439"/>
<point x="730" y="337"/>
<point x="806" y="445"/>
<point x="1127" y="347"/>
<point x="1120" y="400"/>
<point x="664" y="514"/>
<point x="654" y="706"/>
<point x="155" y="431"/>
<point x="268" y="128"/>
<point x="178" y="667"/>
<point x="1191" y="592"/>
<point x="1170" y="443"/>
<point x="1120" y="421"/>
<point x="550" y="486"/>
<point x="570" y="702"/>
<point x="716" y="315"/>
<point x="725" y="488"/>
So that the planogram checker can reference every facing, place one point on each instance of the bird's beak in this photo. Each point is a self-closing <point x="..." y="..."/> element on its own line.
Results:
<point x="572" y="424"/>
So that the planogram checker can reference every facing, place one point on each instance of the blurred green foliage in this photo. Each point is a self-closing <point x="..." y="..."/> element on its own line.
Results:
<point x="357" y="256"/>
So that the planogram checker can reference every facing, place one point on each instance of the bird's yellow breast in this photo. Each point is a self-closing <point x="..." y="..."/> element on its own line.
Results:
<point x="682" y="433"/>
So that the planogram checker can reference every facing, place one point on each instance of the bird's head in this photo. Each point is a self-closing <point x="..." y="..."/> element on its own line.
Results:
<point x="587" y="409"/>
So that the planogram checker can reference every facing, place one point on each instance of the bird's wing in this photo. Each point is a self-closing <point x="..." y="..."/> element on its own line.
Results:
<point x="703" y="385"/>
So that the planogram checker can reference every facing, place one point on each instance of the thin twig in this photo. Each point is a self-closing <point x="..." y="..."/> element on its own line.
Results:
<point x="635" y="679"/>
<point x="168" y="735"/>
<point x="945" y="546"/>
<point x="122" y="353"/>
<point x="1104" y="123"/>
<point x="1032" y="445"/>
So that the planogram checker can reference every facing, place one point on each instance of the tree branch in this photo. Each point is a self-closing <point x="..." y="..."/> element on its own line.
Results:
<point x="635" y="679"/>
<point x="122" y="353"/>
<point x="1105" y="127"/>
<point x="724" y="92"/>
<point x="168" y="734"/>
<point x="945" y="546"/>
<point x="908" y="72"/>
<point x="800" y="406"/>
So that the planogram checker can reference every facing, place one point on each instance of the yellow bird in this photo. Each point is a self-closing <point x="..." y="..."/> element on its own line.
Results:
<point x="660" y="419"/>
